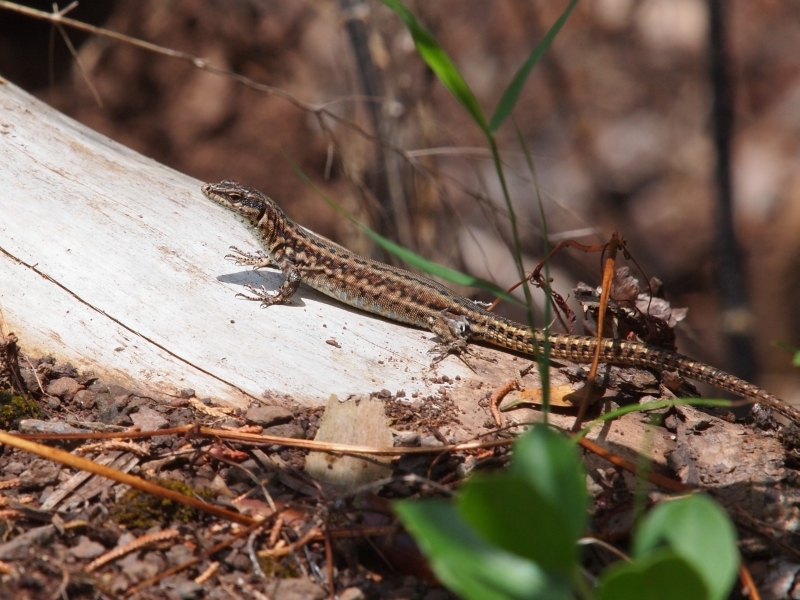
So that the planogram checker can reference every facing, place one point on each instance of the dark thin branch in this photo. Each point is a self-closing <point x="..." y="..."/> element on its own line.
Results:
<point x="730" y="279"/>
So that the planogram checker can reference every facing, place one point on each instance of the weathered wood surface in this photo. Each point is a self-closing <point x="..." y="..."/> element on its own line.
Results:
<point x="114" y="262"/>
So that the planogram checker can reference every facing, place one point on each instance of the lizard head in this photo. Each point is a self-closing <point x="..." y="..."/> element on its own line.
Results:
<point x="247" y="202"/>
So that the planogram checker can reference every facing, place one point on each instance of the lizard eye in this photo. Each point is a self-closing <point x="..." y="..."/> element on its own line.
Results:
<point x="235" y="196"/>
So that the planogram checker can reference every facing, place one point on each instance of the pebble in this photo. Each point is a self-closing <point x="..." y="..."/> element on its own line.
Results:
<point x="14" y="467"/>
<point x="118" y="390"/>
<point x="20" y="547"/>
<point x="138" y="570"/>
<point x="268" y="415"/>
<point x="110" y="409"/>
<point x="178" y="554"/>
<point x="86" y="549"/>
<point x="39" y="426"/>
<point x="406" y="438"/>
<point x="85" y="398"/>
<point x="93" y="426"/>
<point x="39" y="474"/>
<point x="64" y="387"/>
<point x="29" y="377"/>
<point x="430" y="441"/>
<point x="62" y="370"/>
<point x="148" y="419"/>
<point x="118" y="584"/>
<point x="181" y="416"/>
<point x="189" y="590"/>
<point x="290" y="430"/>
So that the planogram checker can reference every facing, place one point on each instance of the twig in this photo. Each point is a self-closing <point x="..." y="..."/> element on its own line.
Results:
<point x="74" y="52"/>
<point x="497" y="396"/>
<point x="747" y="583"/>
<point x="111" y="446"/>
<point x="251" y="552"/>
<point x="138" y="483"/>
<point x="309" y="535"/>
<point x="207" y="574"/>
<point x="10" y="483"/>
<point x="193" y="561"/>
<point x="145" y="540"/>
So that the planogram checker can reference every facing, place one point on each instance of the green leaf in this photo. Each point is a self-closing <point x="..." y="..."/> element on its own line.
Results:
<point x="511" y="95"/>
<point x="407" y="255"/>
<point x="438" y="60"/>
<point x="662" y="575"/>
<point x="700" y="532"/>
<point x="470" y="566"/>
<point x="553" y="468"/>
<point x="508" y="512"/>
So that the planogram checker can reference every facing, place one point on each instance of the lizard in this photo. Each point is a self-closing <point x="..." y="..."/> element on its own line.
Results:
<point x="402" y="296"/>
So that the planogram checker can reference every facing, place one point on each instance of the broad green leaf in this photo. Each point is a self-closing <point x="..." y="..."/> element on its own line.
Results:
<point x="511" y="95"/>
<point x="438" y="60"/>
<point x="407" y="255"/>
<point x="552" y="467"/>
<point x="660" y="576"/>
<point x="508" y="512"/>
<point x="470" y="566"/>
<point x="700" y="532"/>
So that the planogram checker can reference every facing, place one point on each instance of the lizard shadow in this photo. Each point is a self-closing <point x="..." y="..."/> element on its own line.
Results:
<point x="270" y="280"/>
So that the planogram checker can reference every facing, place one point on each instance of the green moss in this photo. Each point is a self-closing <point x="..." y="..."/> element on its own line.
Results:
<point x="282" y="568"/>
<point x="137" y="509"/>
<point x="14" y="409"/>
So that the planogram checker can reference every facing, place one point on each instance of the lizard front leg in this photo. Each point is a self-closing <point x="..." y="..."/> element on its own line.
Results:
<point x="284" y="293"/>
<point x="453" y="331"/>
<point x="257" y="260"/>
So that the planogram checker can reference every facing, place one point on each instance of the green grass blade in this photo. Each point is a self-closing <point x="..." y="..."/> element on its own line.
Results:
<point x="543" y="360"/>
<point x="514" y="89"/>
<point x="615" y="414"/>
<point x="406" y="255"/>
<point x="438" y="60"/>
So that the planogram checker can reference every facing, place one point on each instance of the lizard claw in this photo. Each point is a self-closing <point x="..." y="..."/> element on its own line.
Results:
<point x="262" y="295"/>
<point x="458" y="347"/>
<point x="257" y="260"/>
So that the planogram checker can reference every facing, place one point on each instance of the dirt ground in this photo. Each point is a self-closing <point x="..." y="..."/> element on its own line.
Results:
<point x="68" y="533"/>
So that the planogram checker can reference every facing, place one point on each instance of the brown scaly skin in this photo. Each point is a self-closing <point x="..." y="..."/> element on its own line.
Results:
<point x="402" y="296"/>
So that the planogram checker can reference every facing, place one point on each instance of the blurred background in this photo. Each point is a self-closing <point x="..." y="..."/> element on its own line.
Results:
<point x="624" y="118"/>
